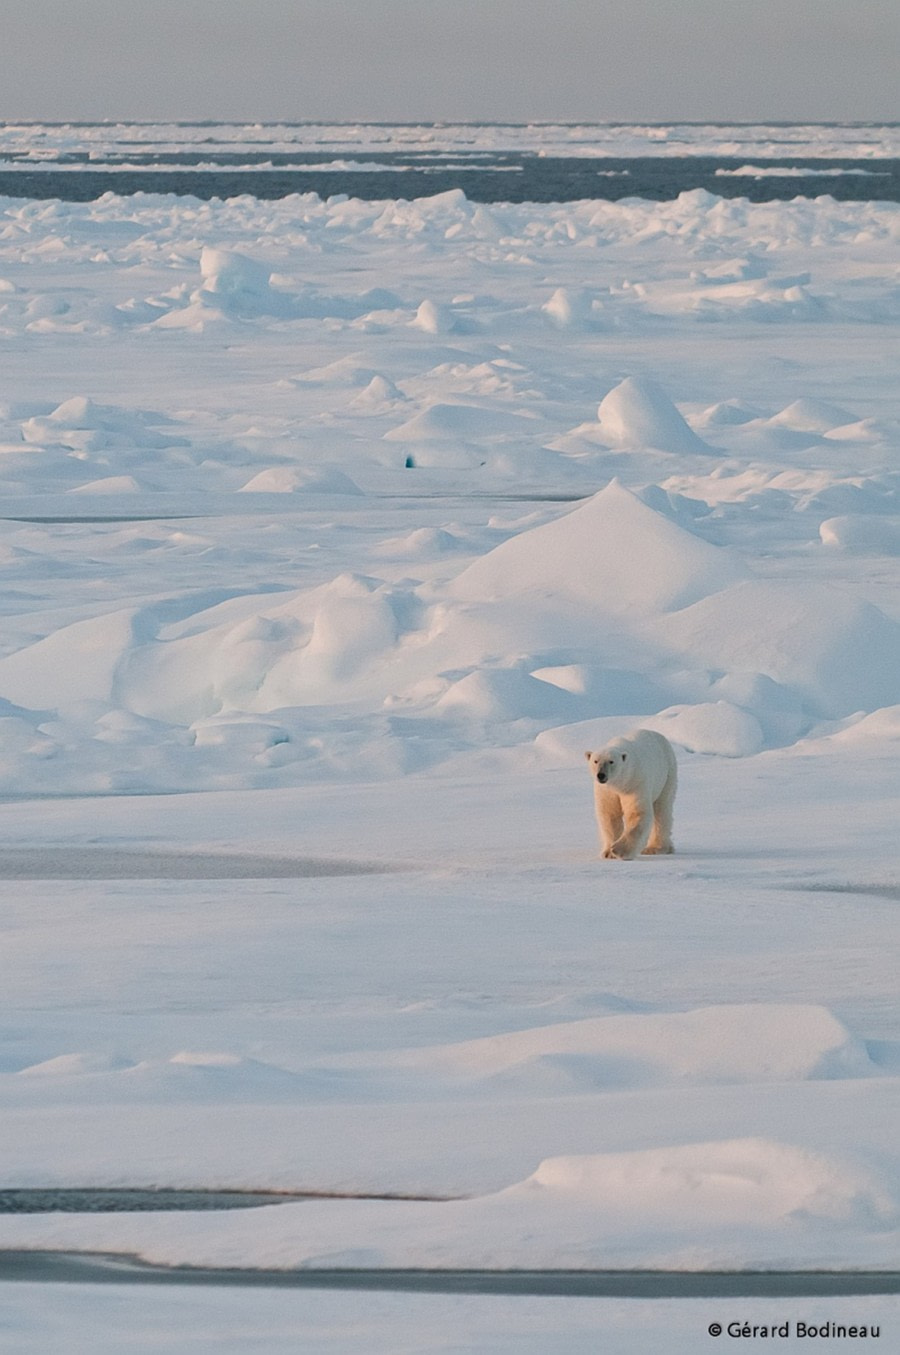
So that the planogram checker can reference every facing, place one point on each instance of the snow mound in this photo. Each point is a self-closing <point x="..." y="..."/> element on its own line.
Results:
<point x="75" y="663"/>
<point x="264" y="653"/>
<point x="295" y="479"/>
<point x="840" y="654"/>
<point x="615" y="691"/>
<point x="424" y="543"/>
<point x="712" y="1045"/>
<point x="232" y="285"/>
<point x="76" y="1065"/>
<point x="433" y="318"/>
<point x="204" y="1060"/>
<point x="757" y="713"/>
<point x="862" y="534"/>
<point x="244" y="734"/>
<point x="226" y="273"/>
<point x="866" y="430"/>
<point x="569" y="308"/>
<point x="715" y="727"/>
<point x="812" y="416"/>
<point x="505" y="694"/>
<point x="470" y="423"/>
<point x="110" y="484"/>
<point x="352" y="624"/>
<point x="252" y="654"/>
<point x="84" y="426"/>
<point x="19" y="736"/>
<point x="379" y="396"/>
<point x="200" y="1075"/>
<point x="778" y="709"/>
<point x="638" y="414"/>
<point x="726" y="414"/>
<point x="613" y="554"/>
<point x="347" y="371"/>
<point x="735" y="270"/>
<point x="882" y="727"/>
<point x="78" y="412"/>
<point x="752" y="1180"/>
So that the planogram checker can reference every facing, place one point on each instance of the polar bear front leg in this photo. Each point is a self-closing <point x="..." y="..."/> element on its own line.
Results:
<point x="609" y="819"/>
<point x="638" y="826"/>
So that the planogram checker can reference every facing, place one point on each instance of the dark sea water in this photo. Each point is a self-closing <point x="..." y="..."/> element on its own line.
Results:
<point x="124" y="1201"/>
<point x="81" y="162"/>
<point x="507" y="178"/>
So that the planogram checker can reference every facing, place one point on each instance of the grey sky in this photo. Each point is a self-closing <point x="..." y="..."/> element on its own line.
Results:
<point x="410" y="60"/>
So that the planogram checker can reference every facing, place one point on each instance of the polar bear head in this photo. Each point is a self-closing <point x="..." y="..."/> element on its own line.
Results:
<point x="609" y="766"/>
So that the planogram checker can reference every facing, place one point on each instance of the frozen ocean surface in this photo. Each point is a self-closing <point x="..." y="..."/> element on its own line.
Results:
<point x="334" y="531"/>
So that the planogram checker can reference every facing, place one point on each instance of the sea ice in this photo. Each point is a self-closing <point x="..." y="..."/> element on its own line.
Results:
<point x="318" y="555"/>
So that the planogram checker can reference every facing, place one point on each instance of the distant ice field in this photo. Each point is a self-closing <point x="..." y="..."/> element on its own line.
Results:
<point x="489" y="162"/>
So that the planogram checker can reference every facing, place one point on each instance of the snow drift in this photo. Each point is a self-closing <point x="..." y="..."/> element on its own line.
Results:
<point x="612" y="554"/>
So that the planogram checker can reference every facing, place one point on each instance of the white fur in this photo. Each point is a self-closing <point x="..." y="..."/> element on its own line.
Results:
<point x="634" y="802"/>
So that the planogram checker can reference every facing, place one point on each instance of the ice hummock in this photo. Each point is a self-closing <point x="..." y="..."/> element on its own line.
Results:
<point x="638" y="414"/>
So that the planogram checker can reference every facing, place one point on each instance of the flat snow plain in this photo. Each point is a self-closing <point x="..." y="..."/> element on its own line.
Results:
<point x="333" y="533"/>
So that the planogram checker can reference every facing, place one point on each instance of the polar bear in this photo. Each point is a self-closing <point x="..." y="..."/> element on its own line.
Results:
<point x="635" y="778"/>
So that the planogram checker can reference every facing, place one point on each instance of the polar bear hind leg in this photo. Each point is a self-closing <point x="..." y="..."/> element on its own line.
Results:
<point x="660" y="843"/>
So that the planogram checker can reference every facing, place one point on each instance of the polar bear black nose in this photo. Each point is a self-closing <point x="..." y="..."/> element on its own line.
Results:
<point x="601" y="777"/>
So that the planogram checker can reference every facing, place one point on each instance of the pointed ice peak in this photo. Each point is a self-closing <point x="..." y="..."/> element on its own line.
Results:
<point x="612" y="553"/>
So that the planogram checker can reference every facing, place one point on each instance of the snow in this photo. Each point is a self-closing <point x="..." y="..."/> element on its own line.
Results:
<point x="862" y="534"/>
<point x="840" y="653"/>
<point x="612" y="554"/>
<point x="638" y="414"/>
<point x="714" y="1044"/>
<point x="721" y="1202"/>
<point x="815" y="416"/>
<point x="231" y="1321"/>
<point x="334" y="532"/>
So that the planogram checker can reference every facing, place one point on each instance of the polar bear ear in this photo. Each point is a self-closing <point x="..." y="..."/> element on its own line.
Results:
<point x="624" y="756"/>
<point x="588" y="755"/>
